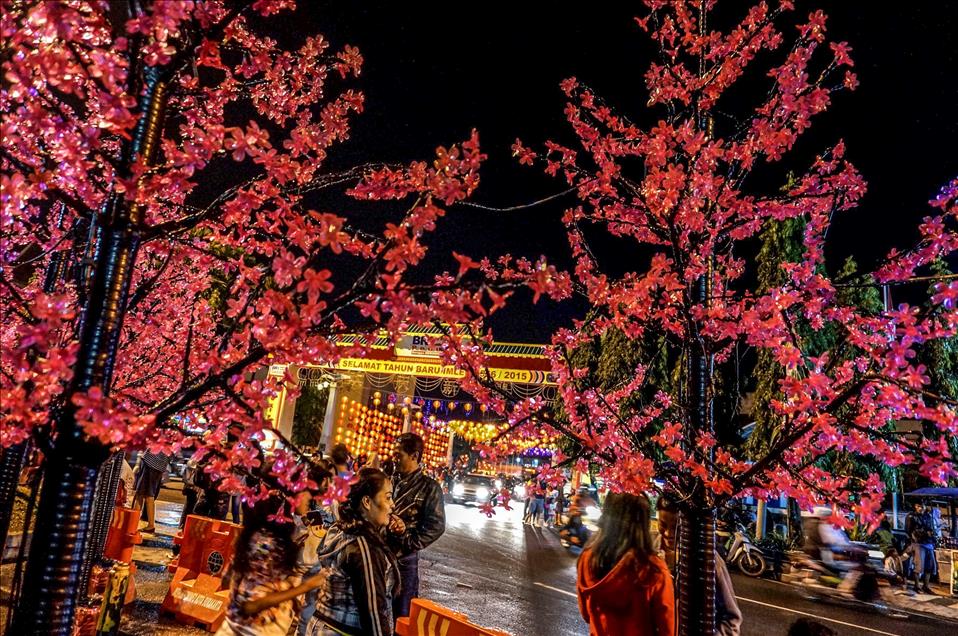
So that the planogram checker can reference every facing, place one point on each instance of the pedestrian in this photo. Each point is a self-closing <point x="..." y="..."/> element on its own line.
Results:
<point x="340" y="457"/>
<point x="728" y="616"/>
<point x="895" y="568"/>
<point x="211" y="501"/>
<point x="264" y="580"/>
<point x="191" y="489"/>
<point x="922" y="549"/>
<point x="537" y="506"/>
<point x="127" y="483"/>
<point x="551" y="497"/>
<point x="419" y="519"/>
<point x="624" y="589"/>
<point x="884" y="538"/>
<point x="312" y="521"/>
<point x="560" y="505"/>
<point x="149" y="478"/>
<point x="359" y="571"/>
<point x="809" y="627"/>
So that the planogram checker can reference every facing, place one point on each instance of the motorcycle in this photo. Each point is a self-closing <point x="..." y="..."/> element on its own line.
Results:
<point x="579" y="527"/>
<point x="844" y="570"/>
<point x="742" y="553"/>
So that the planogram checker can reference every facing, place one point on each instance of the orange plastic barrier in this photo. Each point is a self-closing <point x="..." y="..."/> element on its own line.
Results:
<point x="120" y="539"/>
<point x="123" y="535"/>
<point x="431" y="619"/>
<point x="196" y="595"/>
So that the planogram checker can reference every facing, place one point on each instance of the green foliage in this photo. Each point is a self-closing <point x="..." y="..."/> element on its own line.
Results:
<point x="941" y="355"/>
<point x="309" y="414"/>
<point x="776" y="543"/>
<point x="782" y="243"/>
<point x="941" y="359"/>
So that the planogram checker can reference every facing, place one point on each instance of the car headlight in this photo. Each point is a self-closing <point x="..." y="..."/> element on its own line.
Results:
<point x="520" y="491"/>
<point x="458" y="489"/>
<point x="482" y="492"/>
<point x="498" y="484"/>
<point x="592" y="511"/>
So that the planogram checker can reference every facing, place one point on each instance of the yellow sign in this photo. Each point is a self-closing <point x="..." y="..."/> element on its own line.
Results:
<point x="431" y="369"/>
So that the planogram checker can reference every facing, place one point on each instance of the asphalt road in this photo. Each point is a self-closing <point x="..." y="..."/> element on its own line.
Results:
<point x="502" y="574"/>
<point x="517" y="578"/>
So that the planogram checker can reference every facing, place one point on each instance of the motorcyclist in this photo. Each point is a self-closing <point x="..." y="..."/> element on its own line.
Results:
<point x="575" y="531"/>
<point x="831" y="552"/>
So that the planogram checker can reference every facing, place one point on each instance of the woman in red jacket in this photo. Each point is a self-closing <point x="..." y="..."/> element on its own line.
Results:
<point x="624" y="588"/>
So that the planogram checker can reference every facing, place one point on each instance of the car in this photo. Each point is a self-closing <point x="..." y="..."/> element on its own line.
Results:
<point x="518" y="490"/>
<point x="473" y="488"/>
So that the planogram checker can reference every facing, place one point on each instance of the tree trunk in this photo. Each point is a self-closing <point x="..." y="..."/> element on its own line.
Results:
<point x="696" y="549"/>
<point x="11" y="463"/>
<point x="696" y="573"/>
<point x="52" y="582"/>
<point x="104" y="501"/>
<point x="49" y="596"/>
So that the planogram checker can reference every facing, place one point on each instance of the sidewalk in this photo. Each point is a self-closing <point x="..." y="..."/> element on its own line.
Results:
<point x="142" y="616"/>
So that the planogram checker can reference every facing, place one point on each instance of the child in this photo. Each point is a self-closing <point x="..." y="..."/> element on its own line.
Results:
<point x="895" y="568"/>
<point x="265" y="581"/>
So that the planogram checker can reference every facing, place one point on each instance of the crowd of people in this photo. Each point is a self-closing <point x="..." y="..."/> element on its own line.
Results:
<point x="352" y="567"/>
<point x="345" y="569"/>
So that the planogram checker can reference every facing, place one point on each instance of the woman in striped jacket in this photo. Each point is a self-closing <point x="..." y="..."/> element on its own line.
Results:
<point x="360" y="572"/>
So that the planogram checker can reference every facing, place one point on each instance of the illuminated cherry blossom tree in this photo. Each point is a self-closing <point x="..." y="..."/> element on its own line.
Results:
<point x="169" y="229"/>
<point x="680" y="199"/>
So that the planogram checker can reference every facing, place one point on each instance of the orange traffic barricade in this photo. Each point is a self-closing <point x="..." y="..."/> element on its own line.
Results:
<point x="122" y="536"/>
<point x="431" y="619"/>
<point x="196" y="595"/>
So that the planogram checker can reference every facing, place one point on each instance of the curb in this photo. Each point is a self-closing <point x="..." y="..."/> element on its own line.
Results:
<point x="935" y="606"/>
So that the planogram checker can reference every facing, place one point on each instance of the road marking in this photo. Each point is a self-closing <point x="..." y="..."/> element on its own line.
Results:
<point x="749" y="600"/>
<point x="555" y="589"/>
<point x="890" y="606"/>
<point x="822" y="618"/>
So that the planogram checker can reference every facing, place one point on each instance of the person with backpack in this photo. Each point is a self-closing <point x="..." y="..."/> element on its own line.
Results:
<point x="149" y="470"/>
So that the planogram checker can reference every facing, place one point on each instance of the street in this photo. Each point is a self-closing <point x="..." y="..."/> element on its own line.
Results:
<point x="518" y="578"/>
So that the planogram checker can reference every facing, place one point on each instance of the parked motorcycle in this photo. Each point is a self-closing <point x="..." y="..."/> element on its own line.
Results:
<point x="742" y="553"/>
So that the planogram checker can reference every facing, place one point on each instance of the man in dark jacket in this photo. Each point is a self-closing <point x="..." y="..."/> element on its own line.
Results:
<point x="419" y="516"/>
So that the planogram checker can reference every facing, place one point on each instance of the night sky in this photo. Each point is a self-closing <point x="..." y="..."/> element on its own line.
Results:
<point x="435" y="71"/>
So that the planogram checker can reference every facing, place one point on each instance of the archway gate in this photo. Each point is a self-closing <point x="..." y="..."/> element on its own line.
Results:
<point x="407" y="382"/>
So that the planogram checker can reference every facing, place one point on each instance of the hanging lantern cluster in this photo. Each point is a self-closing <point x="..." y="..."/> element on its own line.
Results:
<point x="476" y="432"/>
<point x="365" y="430"/>
<point x="538" y="444"/>
<point x="436" y="441"/>
<point x="399" y="403"/>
